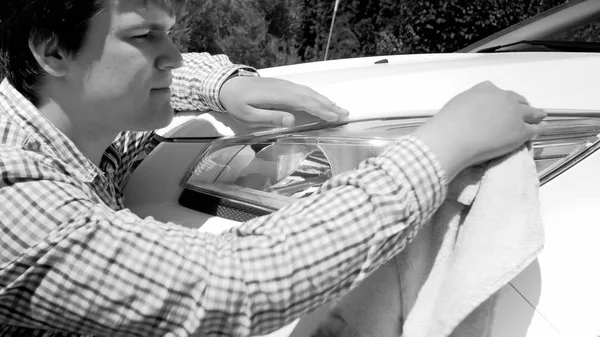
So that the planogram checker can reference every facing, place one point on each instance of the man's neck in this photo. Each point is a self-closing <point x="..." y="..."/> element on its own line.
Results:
<point x="90" y="139"/>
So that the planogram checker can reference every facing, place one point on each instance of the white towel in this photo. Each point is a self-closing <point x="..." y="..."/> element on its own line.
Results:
<point x="488" y="231"/>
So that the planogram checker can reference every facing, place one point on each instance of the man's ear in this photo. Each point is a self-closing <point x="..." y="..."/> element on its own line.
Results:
<point x="49" y="56"/>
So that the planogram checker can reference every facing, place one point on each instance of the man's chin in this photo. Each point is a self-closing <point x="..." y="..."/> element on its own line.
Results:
<point x="157" y="120"/>
<point x="168" y="118"/>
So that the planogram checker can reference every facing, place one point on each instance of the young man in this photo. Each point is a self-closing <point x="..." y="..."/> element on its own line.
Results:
<point x="82" y="73"/>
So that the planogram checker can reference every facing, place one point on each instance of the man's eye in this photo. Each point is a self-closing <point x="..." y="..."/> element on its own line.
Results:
<point x="141" y="36"/>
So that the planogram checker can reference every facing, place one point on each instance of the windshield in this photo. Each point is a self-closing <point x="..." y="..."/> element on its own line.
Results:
<point x="587" y="32"/>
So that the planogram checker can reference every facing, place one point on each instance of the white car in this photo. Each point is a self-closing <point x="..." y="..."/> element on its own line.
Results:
<point x="196" y="180"/>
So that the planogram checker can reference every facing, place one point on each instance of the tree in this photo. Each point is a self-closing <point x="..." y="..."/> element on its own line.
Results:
<point x="408" y="26"/>
<point x="259" y="33"/>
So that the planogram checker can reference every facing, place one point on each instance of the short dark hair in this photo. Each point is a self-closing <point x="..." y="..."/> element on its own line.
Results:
<point x="65" y="21"/>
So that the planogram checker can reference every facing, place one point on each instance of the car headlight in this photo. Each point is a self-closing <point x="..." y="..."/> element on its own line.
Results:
<point x="269" y="170"/>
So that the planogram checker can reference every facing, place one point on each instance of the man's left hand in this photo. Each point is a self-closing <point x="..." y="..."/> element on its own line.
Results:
<point x="263" y="101"/>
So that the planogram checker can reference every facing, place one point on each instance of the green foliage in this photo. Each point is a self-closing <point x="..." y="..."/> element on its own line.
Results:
<point x="409" y="26"/>
<point x="431" y="26"/>
<point x="259" y="33"/>
<point x="266" y="33"/>
<point x="355" y="33"/>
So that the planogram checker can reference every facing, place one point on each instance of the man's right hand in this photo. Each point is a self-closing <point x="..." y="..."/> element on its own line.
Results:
<point x="480" y="124"/>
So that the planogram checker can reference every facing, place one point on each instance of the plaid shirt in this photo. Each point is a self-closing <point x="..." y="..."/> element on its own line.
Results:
<point x="74" y="261"/>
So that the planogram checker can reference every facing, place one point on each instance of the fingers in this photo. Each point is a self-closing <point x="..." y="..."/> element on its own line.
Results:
<point x="535" y="130"/>
<point x="294" y="97"/>
<point x="533" y="118"/>
<point x="323" y="107"/>
<point x="489" y="86"/>
<point x="264" y="117"/>
<point x="269" y="102"/>
<point x="533" y="115"/>
<point x="327" y="111"/>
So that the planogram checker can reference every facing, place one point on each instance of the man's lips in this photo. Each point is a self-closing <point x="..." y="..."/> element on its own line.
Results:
<point x="164" y="90"/>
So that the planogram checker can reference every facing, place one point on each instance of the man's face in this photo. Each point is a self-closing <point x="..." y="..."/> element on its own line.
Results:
<point x="120" y="78"/>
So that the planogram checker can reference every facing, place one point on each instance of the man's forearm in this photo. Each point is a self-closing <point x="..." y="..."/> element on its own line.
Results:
<point x="321" y="247"/>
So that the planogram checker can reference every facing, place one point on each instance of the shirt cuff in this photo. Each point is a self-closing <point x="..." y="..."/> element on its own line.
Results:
<point x="220" y="79"/>
<point x="206" y="75"/>
<point x="425" y="174"/>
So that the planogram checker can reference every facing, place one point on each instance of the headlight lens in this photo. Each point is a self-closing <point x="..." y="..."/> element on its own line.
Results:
<point x="271" y="170"/>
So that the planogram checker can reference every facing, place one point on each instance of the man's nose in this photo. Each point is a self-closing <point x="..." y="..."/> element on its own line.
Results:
<point x="170" y="57"/>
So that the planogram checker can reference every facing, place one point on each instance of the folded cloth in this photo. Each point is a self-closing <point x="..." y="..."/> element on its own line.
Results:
<point x="487" y="231"/>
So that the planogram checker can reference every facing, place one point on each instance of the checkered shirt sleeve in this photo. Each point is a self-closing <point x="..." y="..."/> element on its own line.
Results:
<point x="71" y="263"/>
<point x="196" y="85"/>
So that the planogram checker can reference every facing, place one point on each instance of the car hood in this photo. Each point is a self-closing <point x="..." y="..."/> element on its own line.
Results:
<point x="405" y="85"/>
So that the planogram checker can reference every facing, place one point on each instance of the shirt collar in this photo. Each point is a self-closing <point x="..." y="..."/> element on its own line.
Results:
<point x="39" y="129"/>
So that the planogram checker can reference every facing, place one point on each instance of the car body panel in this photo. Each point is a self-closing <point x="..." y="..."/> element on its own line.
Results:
<point x="384" y="90"/>
<point x="567" y="280"/>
